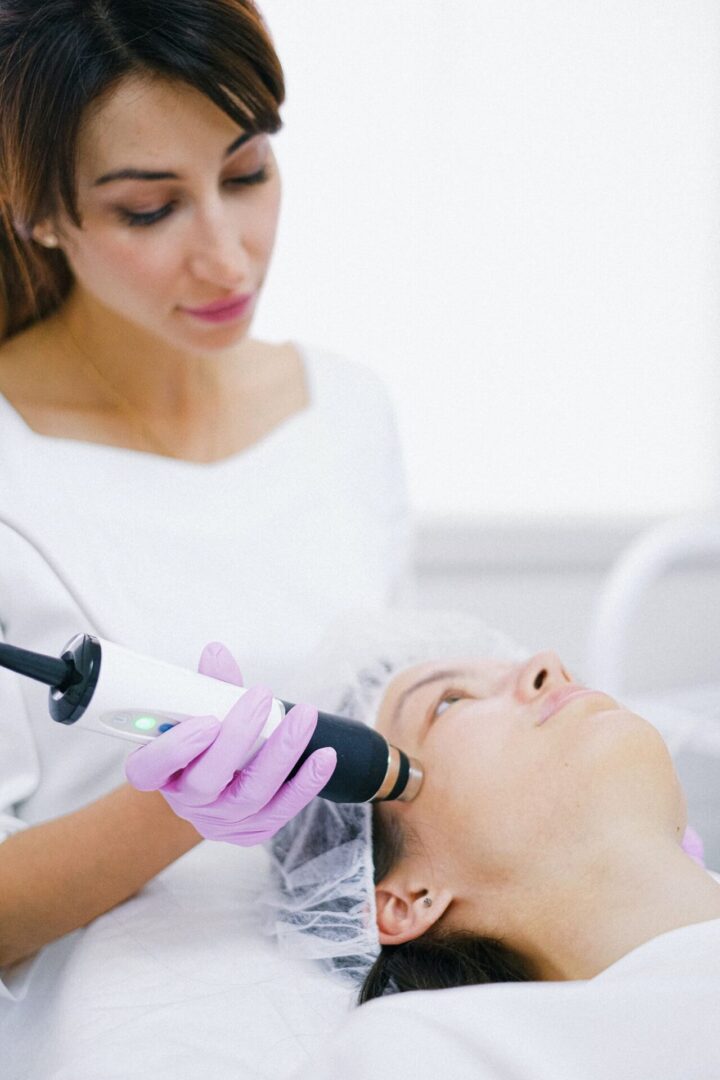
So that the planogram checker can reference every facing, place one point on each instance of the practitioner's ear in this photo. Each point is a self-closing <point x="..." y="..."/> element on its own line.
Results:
<point x="406" y="911"/>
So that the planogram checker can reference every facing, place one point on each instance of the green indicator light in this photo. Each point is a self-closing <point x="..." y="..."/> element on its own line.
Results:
<point x="145" y="723"/>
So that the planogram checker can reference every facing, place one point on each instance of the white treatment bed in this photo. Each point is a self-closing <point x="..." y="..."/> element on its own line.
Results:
<point x="652" y="1016"/>
<point x="179" y="984"/>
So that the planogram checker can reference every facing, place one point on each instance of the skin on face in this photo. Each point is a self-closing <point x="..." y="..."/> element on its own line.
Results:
<point x="520" y="789"/>
<point x="216" y="223"/>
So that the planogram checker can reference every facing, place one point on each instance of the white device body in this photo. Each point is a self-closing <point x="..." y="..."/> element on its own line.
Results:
<point x="134" y="688"/>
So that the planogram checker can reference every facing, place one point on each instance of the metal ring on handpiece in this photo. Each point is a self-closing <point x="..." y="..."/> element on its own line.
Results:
<point x="414" y="782"/>
<point x="398" y="761"/>
<point x="391" y="775"/>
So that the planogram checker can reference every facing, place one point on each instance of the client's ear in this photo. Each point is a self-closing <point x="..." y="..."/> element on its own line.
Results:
<point x="403" y="912"/>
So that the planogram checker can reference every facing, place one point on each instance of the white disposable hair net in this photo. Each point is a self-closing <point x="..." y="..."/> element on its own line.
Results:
<point x="321" y="904"/>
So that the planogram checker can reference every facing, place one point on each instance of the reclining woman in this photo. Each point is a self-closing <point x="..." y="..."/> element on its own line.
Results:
<point x="548" y="841"/>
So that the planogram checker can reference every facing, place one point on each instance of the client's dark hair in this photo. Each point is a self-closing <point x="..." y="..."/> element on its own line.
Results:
<point x="440" y="958"/>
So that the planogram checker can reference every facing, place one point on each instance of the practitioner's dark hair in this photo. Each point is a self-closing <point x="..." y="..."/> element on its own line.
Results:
<point x="440" y="958"/>
<point x="57" y="57"/>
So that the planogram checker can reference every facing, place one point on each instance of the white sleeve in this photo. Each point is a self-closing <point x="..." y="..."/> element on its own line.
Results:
<point x="19" y="776"/>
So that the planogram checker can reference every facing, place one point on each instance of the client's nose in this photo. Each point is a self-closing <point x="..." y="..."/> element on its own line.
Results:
<point x="541" y="673"/>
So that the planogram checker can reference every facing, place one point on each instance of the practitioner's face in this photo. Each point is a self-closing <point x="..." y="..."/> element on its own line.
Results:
<point x="150" y="249"/>
<point x="524" y="772"/>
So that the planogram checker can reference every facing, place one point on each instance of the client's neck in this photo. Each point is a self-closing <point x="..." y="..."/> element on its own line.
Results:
<point x="579" y="926"/>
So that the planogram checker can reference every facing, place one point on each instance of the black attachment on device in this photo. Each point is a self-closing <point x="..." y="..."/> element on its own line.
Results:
<point x="84" y="652"/>
<point x="59" y="673"/>
<point x="362" y="757"/>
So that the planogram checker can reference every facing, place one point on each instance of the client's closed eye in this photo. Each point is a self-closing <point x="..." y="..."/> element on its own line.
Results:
<point x="446" y="701"/>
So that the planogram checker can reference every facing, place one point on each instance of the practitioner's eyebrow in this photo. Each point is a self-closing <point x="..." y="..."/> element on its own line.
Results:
<point x="144" y="174"/>
<point x="436" y="676"/>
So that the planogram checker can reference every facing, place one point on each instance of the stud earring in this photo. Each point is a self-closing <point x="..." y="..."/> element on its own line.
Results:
<point x="427" y="901"/>
<point x="49" y="240"/>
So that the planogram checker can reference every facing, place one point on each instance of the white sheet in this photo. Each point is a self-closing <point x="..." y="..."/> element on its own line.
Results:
<point x="176" y="983"/>
<point x="652" y="1016"/>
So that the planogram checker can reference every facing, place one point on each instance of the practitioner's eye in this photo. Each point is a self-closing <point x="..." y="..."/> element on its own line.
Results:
<point x="133" y="218"/>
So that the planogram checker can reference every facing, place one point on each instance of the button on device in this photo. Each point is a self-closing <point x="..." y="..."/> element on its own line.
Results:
<point x="165" y="727"/>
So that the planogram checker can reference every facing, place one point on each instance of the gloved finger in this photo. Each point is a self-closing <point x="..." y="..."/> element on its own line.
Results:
<point x="693" y="846"/>
<point x="268" y="770"/>
<point x="219" y="663"/>
<point x="153" y="765"/>
<point x="204" y="781"/>
<point x="309" y="780"/>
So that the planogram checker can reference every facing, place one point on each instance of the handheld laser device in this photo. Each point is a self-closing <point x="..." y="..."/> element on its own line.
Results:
<point x="99" y="686"/>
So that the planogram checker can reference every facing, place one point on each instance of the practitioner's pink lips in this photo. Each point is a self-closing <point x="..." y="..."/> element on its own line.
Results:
<point x="559" y="699"/>
<point x="224" y="310"/>
<point x="220" y="305"/>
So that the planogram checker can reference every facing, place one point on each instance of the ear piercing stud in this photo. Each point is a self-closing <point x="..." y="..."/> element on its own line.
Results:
<point x="427" y="901"/>
<point x="49" y="240"/>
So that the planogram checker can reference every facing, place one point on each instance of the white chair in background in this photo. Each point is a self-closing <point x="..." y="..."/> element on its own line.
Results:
<point x="657" y="551"/>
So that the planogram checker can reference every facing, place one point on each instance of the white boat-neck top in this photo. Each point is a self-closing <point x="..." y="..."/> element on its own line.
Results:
<point x="261" y="551"/>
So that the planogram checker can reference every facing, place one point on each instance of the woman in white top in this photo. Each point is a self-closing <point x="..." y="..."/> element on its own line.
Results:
<point x="165" y="480"/>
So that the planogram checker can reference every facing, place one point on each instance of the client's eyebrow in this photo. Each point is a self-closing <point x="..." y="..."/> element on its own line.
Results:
<point x="435" y="677"/>
<point x="142" y="174"/>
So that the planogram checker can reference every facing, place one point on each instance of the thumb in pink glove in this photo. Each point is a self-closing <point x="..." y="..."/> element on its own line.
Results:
<point x="195" y="765"/>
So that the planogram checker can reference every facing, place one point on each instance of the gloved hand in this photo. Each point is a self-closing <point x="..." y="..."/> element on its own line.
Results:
<point x="194" y="764"/>
<point x="693" y="846"/>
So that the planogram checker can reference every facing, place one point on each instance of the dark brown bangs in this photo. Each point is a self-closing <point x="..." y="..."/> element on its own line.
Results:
<point x="59" y="58"/>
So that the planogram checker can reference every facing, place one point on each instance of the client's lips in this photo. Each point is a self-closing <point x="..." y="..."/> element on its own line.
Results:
<point x="554" y="702"/>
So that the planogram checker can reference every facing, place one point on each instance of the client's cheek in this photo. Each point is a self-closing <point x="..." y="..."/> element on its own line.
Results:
<point x="447" y="806"/>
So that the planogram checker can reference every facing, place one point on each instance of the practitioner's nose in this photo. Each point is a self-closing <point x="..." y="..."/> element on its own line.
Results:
<point x="539" y="675"/>
<point x="218" y="253"/>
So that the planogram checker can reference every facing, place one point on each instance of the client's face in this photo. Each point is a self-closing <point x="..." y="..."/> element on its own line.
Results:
<point x="526" y="771"/>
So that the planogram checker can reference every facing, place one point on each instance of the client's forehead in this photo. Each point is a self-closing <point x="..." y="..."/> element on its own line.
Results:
<point x="471" y="667"/>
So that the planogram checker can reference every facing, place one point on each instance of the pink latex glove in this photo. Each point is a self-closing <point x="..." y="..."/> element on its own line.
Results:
<point x="194" y="764"/>
<point x="693" y="846"/>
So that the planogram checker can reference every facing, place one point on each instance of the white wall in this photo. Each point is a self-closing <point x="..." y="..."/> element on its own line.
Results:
<point x="540" y="582"/>
<point x="511" y="209"/>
